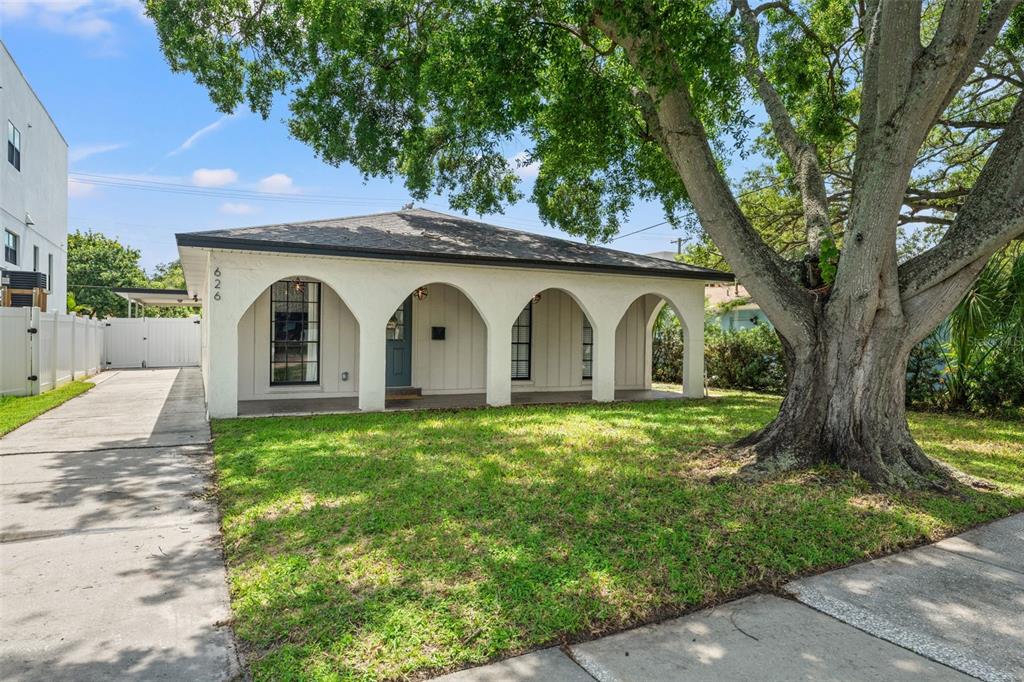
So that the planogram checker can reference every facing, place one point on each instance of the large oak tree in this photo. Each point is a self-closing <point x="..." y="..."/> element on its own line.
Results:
<point x="875" y="116"/>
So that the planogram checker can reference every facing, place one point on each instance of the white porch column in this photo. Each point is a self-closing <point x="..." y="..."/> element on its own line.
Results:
<point x="224" y="301"/>
<point x="693" y="357"/>
<point x="499" y="364"/>
<point x="603" y="383"/>
<point x="372" y="357"/>
<point x="221" y="364"/>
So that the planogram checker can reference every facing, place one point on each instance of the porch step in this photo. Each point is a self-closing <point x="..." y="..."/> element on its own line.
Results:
<point x="404" y="393"/>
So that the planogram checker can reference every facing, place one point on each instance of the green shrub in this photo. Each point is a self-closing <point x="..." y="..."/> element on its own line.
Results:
<point x="746" y="359"/>
<point x="926" y="369"/>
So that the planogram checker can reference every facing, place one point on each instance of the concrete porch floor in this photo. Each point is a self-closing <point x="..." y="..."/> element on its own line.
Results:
<point x="300" y="406"/>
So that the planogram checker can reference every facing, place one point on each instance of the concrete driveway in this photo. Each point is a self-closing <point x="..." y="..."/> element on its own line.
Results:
<point x="110" y="556"/>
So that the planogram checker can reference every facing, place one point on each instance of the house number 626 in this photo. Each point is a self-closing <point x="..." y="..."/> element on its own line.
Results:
<point x="216" y="283"/>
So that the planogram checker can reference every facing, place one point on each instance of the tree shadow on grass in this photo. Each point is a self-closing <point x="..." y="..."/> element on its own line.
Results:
<point x="388" y="544"/>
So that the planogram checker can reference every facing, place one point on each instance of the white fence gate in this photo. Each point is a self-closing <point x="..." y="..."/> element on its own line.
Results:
<point x="152" y="342"/>
<point x="41" y="351"/>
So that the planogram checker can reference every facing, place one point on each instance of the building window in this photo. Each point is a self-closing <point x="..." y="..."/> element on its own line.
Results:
<point x="35" y="259"/>
<point x="521" y="333"/>
<point x="49" y="272"/>
<point x="294" y="332"/>
<point x="588" y="349"/>
<point x="11" y="247"/>
<point x="13" y="146"/>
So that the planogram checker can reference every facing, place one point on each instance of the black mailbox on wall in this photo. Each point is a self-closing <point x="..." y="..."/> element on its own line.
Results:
<point x="437" y="333"/>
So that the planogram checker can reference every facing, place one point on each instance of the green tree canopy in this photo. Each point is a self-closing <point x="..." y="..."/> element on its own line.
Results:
<point x="97" y="263"/>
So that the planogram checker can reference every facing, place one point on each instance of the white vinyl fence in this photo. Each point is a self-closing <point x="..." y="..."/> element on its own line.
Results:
<point x="152" y="342"/>
<point x="41" y="351"/>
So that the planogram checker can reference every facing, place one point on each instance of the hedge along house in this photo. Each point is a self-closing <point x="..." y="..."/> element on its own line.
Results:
<point x="428" y="309"/>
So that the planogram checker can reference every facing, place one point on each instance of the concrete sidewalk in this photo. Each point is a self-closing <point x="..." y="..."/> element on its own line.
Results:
<point x="109" y="553"/>
<point x="949" y="611"/>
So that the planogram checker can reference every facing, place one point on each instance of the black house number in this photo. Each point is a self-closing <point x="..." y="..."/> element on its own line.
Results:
<point x="216" y="283"/>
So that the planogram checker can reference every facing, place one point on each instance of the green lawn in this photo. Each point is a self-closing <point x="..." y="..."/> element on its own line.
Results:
<point x="17" y="411"/>
<point x="395" y="545"/>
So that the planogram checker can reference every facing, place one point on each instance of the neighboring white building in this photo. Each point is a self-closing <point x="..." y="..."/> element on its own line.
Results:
<point x="344" y="314"/>
<point x="33" y="185"/>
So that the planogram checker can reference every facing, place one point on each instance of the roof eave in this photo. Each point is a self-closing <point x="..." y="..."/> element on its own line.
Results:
<point x="211" y="242"/>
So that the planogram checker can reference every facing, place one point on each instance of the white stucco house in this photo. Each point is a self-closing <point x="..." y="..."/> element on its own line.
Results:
<point x="377" y="311"/>
<point x="33" y="185"/>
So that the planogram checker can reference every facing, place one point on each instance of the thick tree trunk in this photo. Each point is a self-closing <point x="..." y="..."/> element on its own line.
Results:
<point x="845" y="406"/>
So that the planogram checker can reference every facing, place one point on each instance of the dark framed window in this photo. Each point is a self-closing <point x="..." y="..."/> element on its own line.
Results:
<point x="11" y="247"/>
<point x="13" y="146"/>
<point x="294" y="332"/>
<point x="588" y="349"/>
<point x="522" y="331"/>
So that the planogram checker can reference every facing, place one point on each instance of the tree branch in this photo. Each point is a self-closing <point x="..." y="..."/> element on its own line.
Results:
<point x="983" y="40"/>
<point x="992" y="215"/>
<point x="803" y="155"/>
<point x="671" y="117"/>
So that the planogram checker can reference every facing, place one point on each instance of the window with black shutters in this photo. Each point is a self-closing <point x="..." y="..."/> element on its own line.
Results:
<point x="521" y="333"/>
<point x="588" y="349"/>
<point x="294" y="332"/>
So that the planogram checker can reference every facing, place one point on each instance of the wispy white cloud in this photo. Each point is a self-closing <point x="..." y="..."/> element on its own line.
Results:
<point x="239" y="208"/>
<point x="201" y="133"/>
<point x="525" y="167"/>
<point x="80" y="190"/>
<point x="94" y="21"/>
<point x="278" y="183"/>
<point x="213" y="177"/>
<point x="83" y="152"/>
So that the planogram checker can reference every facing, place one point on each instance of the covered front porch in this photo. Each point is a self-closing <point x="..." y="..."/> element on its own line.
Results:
<point x="456" y="401"/>
<point x="444" y="324"/>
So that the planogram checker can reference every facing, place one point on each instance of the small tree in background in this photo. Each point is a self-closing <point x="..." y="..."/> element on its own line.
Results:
<point x="169" y="276"/>
<point x="96" y="264"/>
<point x="667" y="348"/>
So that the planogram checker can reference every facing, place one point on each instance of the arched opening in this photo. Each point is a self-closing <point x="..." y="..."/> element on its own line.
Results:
<point x="552" y="345"/>
<point x="650" y="344"/>
<point x="298" y="343"/>
<point x="435" y="345"/>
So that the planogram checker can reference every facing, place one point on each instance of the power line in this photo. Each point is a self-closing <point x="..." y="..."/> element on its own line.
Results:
<point x="220" y="192"/>
<point x="692" y="212"/>
<point x="643" y="229"/>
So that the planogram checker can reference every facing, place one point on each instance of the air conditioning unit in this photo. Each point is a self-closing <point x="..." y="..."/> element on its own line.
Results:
<point x="24" y="279"/>
<point x="23" y="289"/>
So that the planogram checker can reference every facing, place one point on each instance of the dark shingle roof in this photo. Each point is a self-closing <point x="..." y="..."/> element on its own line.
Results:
<point x="419" y="234"/>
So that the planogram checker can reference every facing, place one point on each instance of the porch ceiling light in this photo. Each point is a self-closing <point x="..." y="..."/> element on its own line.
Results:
<point x="536" y="298"/>
<point x="299" y="285"/>
<point x="420" y="293"/>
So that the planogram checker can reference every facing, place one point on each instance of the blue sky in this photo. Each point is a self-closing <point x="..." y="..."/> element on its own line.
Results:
<point x="129" y="121"/>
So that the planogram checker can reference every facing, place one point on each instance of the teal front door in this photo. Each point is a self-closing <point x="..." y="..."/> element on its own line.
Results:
<point x="399" y="346"/>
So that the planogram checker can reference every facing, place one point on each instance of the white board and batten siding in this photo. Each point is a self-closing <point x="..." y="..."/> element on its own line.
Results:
<point x="152" y="342"/>
<point x="456" y="364"/>
<point x="41" y="351"/>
